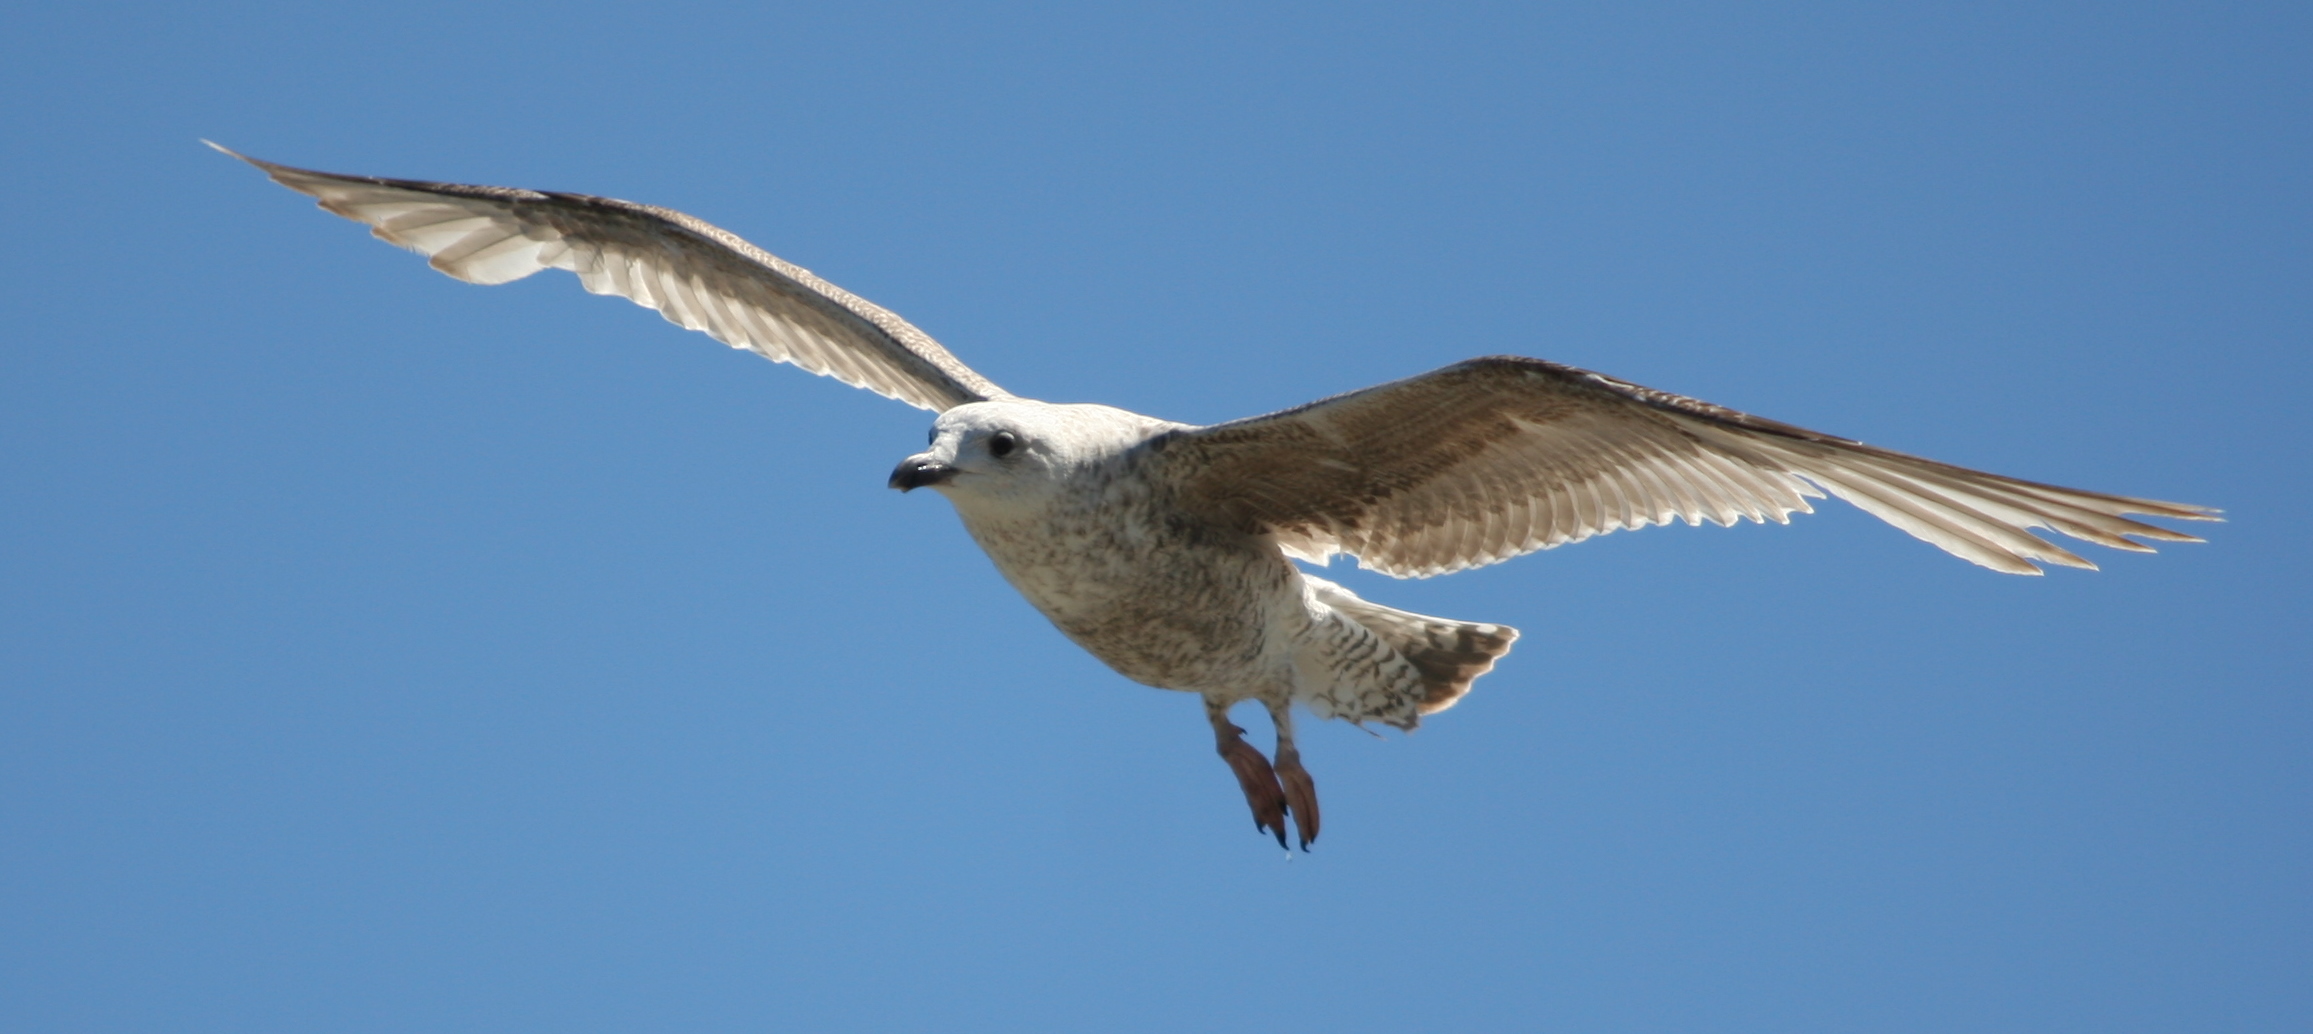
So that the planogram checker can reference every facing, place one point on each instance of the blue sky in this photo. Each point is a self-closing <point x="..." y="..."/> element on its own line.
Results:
<point x="382" y="653"/>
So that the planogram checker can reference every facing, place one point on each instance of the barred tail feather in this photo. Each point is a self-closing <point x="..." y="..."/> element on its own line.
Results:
<point x="1448" y="655"/>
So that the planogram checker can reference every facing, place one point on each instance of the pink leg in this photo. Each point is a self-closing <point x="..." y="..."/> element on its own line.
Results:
<point x="1254" y="775"/>
<point x="1300" y="790"/>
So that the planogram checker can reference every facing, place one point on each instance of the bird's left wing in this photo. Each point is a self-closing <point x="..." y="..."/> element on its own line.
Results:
<point x="699" y="276"/>
<point x="1491" y="458"/>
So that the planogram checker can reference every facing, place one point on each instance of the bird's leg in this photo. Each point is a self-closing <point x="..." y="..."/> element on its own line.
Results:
<point x="1254" y="775"/>
<point x="1300" y="790"/>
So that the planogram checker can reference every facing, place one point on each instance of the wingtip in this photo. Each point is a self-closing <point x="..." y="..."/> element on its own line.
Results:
<point x="2178" y="511"/>
<point x="231" y="153"/>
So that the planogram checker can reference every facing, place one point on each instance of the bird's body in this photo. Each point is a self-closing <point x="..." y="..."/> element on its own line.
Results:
<point x="1078" y="526"/>
<point x="1084" y="537"/>
<point x="1165" y="549"/>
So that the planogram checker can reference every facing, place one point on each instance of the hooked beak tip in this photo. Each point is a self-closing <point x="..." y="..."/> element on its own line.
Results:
<point x="914" y="473"/>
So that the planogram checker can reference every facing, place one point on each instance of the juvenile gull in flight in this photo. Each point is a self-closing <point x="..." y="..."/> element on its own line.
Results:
<point x="1162" y="547"/>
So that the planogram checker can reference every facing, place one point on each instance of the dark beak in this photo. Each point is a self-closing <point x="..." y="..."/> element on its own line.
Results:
<point x="918" y="472"/>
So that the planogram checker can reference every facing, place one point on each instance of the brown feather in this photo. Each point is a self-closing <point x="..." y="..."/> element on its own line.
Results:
<point x="1491" y="458"/>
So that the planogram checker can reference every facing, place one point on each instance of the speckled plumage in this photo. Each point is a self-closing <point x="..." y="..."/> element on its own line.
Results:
<point x="1085" y="520"/>
<point x="1163" y="548"/>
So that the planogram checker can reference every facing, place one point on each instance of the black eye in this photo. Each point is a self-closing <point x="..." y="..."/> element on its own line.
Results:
<point x="933" y="437"/>
<point x="1002" y="443"/>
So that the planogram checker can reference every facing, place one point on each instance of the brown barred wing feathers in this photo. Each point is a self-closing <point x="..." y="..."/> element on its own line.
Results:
<point x="697" y="275"/>
<point x="1496" y="457"/>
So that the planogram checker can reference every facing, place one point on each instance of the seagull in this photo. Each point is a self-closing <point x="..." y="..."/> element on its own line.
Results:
<point x="1165" y="549"/>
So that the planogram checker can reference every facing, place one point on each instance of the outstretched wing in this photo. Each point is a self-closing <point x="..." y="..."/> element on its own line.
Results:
<point x="1491" y="458"/>
<point x="696" y="275"/>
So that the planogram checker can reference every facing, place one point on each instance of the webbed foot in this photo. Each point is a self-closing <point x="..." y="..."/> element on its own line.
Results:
<point x="1263" y="793"/>
<point x="1300" y="795"/>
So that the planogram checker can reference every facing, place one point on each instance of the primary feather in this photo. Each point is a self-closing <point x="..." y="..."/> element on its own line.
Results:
<point x="1492" y="458"/>
<point x="697" y="275"/>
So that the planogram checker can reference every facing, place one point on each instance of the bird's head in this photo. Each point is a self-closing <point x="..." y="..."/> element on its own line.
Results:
<point x="1017" y="451"/>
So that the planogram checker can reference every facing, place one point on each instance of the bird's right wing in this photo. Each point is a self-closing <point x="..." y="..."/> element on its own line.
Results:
<point x="697" y="275"/>
<point x="1487" y="459"/>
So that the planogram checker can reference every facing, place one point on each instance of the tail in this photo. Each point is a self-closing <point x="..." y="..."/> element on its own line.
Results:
<point x="1448" y="654"/>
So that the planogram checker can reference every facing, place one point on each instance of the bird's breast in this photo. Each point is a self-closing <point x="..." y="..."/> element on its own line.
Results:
<point x="1162" y="601"/>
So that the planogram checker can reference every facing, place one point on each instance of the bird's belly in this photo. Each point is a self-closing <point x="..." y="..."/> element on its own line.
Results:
<point x="1170" y="612"/>
<point x="1158" y="642"/>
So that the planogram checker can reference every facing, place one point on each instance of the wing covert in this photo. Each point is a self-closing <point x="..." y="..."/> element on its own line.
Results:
<point x="698" y="276"/>
<point x="1492" y="458"/>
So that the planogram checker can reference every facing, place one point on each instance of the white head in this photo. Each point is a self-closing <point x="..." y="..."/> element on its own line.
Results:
<point x="1019" y="452"/>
